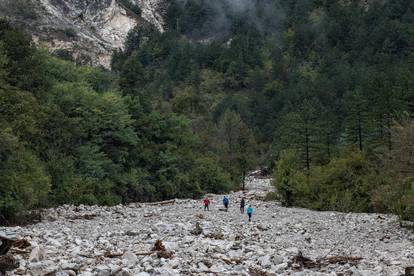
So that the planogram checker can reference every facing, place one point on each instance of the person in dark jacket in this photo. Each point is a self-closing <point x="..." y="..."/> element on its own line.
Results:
<point x="226" y="203"/>
<point x="242" y="204"/>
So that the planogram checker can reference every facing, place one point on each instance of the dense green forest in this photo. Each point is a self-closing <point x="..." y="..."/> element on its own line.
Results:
<point x="320" y="91"/>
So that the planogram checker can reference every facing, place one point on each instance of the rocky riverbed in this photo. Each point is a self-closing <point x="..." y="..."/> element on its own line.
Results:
<point x="91" y="240"/>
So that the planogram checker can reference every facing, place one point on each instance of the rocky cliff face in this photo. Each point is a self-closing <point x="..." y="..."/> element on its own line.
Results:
<point x="86" y="30"/>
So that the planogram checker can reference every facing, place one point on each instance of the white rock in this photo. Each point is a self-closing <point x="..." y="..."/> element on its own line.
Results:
<point x="280" y="267"/>
<point x="123" y="272"/>
<point x="37" y="254"/>
<point x="66" y="273"/>
<point x="166" y="272"/>
<point x="102" y="270"/>
<point x="130" y="258"/>
<point x="265" y="261"/>
<point x="54" y="242"/>
<point x="277" y="259"/>
<point x="202" y="267"/>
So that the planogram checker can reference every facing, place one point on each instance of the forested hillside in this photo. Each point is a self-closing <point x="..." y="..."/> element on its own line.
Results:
<point x="320" y="91"/>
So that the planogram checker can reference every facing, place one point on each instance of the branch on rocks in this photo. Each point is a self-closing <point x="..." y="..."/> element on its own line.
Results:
<point x="342" y="260"/>
<point x="301" y="262"/>
<point x="158" y="246"/>
<point x="200" y="216"/>
<point x="215" y="236"/>
<point x="162" y="252"/>
<point x="229" y="261"/>
<point x="165" y="254"/>
<point x="261" y="228"/>
<point x="19" y="251"/>
<point x="148" y="215"/>
<point x="143" y="253"/>
<point x="84" y="216"/>
<point x="165" y="202"/>
<point x="109" y="254"/>
<point x="257" y="271"/>
<point x="22" y="244"/>
<point x="197" y="229"/>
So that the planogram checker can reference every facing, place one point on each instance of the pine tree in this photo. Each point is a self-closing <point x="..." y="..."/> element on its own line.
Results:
<point x="300" y="130"/>
<point x="358" y="121"/>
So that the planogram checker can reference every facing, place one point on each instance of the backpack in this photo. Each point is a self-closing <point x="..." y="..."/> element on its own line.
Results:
<point x="226" y="200"/>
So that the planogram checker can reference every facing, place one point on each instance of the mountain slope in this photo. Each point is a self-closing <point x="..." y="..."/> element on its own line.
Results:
<point x="85" y="31"/>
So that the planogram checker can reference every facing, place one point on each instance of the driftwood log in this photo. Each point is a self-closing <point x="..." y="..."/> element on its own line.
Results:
<point x="165" y="202"/>
<point x="301" y="262"/>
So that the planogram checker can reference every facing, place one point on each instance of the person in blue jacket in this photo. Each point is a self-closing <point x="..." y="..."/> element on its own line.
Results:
<point x="250" y="212"/>
<point x="226" y="203"/>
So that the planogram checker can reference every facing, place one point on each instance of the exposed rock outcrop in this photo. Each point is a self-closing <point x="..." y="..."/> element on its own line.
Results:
<point x="87" y="30"/>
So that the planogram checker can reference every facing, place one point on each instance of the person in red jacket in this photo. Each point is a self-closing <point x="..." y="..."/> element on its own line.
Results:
<point x="206" y="202"/>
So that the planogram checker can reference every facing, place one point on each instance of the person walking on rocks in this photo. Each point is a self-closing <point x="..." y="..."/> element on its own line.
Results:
<point x="206" y="202"/>
<point x="226" y="203"/>
<point x="242" y="204"/>
<point x="250" y="212"/>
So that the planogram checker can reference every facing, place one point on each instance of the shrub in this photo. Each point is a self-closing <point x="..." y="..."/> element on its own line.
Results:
<point x="211" y="177"/>
<point x="23" y="183"/>
<point x="64" y="54"/>
<point x="344" y="184"/>
<point x="70" y="33"/>
<point x="23" y="8"/>
<point x="286" y="176"/>
<point x="131" y="6"/>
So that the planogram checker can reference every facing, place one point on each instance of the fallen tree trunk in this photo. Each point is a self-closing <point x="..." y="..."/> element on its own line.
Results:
<point x="165" y="202"/>
<point x="302" y="262"/>
<point x="109" y="254"/>
<point x="144" y="253"/>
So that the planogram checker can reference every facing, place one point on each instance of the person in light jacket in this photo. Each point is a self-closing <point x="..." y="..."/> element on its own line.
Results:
<point x="250" y="212"/>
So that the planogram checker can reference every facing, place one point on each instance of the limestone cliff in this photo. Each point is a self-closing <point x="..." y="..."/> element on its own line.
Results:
<point x="86" y="30"/>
